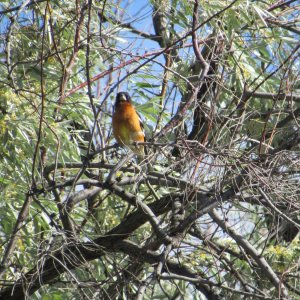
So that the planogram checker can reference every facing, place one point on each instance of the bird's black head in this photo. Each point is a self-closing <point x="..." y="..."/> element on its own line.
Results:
<point x="123" y="96"/>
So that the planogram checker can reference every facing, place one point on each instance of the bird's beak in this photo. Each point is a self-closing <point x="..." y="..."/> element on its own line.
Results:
<point x="123" y="97"/>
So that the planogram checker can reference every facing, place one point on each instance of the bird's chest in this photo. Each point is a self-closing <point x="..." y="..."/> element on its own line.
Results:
<point x="125" y="118"/>
<point x="123" y="124"/>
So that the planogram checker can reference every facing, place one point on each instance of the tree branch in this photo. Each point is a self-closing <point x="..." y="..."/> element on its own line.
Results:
<point x="260" y="260"/>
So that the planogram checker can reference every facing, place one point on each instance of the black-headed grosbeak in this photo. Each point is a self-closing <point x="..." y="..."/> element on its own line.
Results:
<point x="127" y="125"/>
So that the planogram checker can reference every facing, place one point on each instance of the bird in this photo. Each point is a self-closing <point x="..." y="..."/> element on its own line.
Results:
<point x="127" y="125"/>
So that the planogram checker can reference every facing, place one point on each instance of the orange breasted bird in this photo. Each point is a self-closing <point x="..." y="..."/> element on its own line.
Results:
<point x="127" y="125"/>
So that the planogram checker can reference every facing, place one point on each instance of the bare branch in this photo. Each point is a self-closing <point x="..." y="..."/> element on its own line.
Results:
<point x="241" y="241"/>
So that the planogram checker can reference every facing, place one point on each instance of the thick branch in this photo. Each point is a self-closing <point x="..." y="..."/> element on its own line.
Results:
<point x="280" y="96"/>
<point x="79" y="254"/>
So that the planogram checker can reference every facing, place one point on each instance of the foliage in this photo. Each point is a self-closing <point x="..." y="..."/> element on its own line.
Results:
<point x="212" y="212"/>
